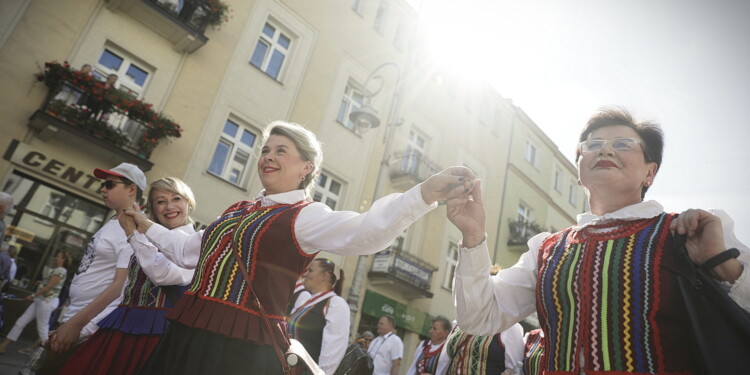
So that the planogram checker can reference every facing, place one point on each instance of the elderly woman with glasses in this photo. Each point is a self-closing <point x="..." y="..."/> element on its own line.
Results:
<point x="606" y="298"/>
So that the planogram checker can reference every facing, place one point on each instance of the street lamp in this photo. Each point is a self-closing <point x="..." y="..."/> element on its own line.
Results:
<point x="366" y="117"/>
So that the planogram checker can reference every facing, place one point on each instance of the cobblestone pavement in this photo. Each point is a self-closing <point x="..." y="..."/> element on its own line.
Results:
<point x="12" y="361"/>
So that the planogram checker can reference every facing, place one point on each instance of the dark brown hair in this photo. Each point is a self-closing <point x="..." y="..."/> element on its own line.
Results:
<point x="337" y="281"/>
<point x="652" y="137"/>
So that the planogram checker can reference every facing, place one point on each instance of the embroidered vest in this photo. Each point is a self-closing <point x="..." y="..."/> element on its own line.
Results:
<point x="472" y="355"/>
<point x="140" y="290"/>
<point x="427" y="360"/>
<point x="533" y="351"/>
<point x="218" y="299"/>
<point x="606" y="294"/>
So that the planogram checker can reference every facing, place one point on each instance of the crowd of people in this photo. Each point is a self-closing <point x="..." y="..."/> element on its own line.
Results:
<point x="154" y="296"/>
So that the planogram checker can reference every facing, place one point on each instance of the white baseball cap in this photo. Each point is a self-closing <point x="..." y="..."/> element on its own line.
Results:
<point x="126" y="170"/>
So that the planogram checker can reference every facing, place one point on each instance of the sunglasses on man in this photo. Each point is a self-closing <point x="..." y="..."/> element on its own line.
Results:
<point x="109" y="184"/>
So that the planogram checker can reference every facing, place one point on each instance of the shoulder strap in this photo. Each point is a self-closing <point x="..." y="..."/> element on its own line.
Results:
<point x="266" y="323"/>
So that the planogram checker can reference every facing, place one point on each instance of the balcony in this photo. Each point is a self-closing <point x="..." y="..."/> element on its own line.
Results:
<point x="406" y="273"/>
<point x="408" y="168"/>
<point x="521" y="231"/>
<point x="182" y="22"/>
<point x="83" y="113"/>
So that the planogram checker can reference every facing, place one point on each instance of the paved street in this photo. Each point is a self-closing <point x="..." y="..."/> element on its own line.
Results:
<point x="12" y="361"/>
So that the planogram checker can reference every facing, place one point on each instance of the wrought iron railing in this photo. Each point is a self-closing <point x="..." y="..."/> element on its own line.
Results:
<point x="405" y="267"/>
<point x="521" y="231"/>
<point x="197" y="14"/>
<point x="412" y="164"/>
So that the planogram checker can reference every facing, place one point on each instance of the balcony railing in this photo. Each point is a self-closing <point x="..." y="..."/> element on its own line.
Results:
<point x="521" y="231"/>
<point x="406" y="269"/>
<point x="182" y="22"/>
<point x="92" y="118"/>
<point x="411" y="168"/>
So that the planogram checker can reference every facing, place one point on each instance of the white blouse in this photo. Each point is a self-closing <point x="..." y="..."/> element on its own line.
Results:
<point x="488" y="304"/>
<point x="155" y="265"/>
<point x="317" y="227"/>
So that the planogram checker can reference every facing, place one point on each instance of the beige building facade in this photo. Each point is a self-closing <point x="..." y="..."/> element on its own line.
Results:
<point x="302" y="61"/>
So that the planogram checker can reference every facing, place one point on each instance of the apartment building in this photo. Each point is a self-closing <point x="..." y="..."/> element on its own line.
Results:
<point x="224" y="69"/>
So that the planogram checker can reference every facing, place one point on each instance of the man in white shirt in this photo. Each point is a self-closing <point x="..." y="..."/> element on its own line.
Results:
<point x="387" y="349"/>
<point x="430" y="350"/>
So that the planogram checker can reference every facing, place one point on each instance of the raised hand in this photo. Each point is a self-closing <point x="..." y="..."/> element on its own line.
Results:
<point x="450" y="183"/>
<point x="466" y="212"/>
<point x="705" y="237"/>
<point x="141" y="221"/>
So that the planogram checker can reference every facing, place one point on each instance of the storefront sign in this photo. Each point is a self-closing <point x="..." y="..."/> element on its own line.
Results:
<point x="419" y="274"/>
<point x="50" y="165"/>
<point x="19" y="233"/>
<point x="377" y="305"/>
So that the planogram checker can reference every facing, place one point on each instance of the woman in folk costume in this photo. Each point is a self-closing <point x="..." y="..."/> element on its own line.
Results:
<point x="320" y="319"/>
<point x="128" y="335"/>
<point x="429" y="351"/>
<point x="533" y="352"/>
<point x="480" y="355"/>
<point x="604" y="289"/>
<point x="216" y="327"/>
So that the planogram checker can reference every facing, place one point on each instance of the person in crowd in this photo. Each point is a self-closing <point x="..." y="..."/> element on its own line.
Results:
<point x="43" y="302"/>
<point x="99" y="105"/>
<point x="533" y="352"/>
<point x="6" y="263"/>
<point x="12" y="252"/>
<point x="387" y="349"/>
<point x="430" y="350"/>
<point x="320" y="319"/>
<point x="364" y="340"/>
<point x="6" y="204"/>
<point x="97" y="285"/>
<point x="604" y="289"/>
<point x="276" y="236"/>
<point x="299" y="292"/>
<point x="480" y="355"/>
<point x="127" y="336"/>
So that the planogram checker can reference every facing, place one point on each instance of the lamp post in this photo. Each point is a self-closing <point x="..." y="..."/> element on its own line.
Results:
<point x="366" y="117"/>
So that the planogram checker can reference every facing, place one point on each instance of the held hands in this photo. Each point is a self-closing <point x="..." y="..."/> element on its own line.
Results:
<point x="466" y="212"/>
<point x="64" y="337"/>
<point x="450" y="183"/>
<point x="132" y="218"/>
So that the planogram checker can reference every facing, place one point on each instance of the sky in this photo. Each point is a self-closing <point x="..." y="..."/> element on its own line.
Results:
<point x="682" y="63"/>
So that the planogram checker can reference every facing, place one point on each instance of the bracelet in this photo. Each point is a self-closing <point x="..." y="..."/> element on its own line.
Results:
<point x="720" y="258"/>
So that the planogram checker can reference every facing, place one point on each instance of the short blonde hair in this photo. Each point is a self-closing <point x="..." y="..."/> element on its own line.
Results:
<point x="310" y="149"/>
<point x="174" y="186"/>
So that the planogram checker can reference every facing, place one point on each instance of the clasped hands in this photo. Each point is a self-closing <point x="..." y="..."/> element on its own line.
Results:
<point x="132" y="219"/>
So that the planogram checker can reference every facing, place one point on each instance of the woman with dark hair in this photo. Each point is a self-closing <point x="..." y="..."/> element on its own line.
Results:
<point x="127" y="336"/>
<point x="604" y="289"/>
<point x="216" y="326"/>
<point x="320" y="320"/>
<point x="44" y="301"/>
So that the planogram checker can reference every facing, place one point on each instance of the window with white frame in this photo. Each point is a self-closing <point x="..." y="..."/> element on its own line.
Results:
<point x="416" y="146"/>
<point x="233" y="152"/>
<point x="327" y="190"/>
<point x="132" y="76"/>
<point x="572" y="193"/>
<point x="558" y="183"/>
<point x="525" y="213"/>
<point x="350" y="102"/>
<point x="451" y="260"/>
<point x="271" y="50"/>
<point x="485" y="113"/>
<point x="358" y="6"/>
<point x="380" y="16"/>
<point x="530" y="154"/>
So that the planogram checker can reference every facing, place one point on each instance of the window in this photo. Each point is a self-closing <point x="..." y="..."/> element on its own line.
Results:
<point x="416" y="147"/>
<point x="131" y="76"/>
<point x="232" y="154"/>
<point x="572" y="193"/>
<point x="525" y="213"/>
<point x="451" y="260"/>
<point x="327" y="190"/>
<point x="350" y="102"/>
<point x="485" y="113"/>
<point x="399" y="39"/>
<point x="271" y="50"/>
<point x="530" y="155"/>
<point x="379" y="23"/>
<point x="358" y="6"/>
<point x="558" y="180"/>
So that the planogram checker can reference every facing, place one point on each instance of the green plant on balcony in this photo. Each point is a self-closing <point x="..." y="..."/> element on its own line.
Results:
<point x="217" y="13"/>
<point x="157" y="125"/>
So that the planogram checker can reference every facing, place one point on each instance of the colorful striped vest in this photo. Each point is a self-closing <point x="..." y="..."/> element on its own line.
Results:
<point x="533" y="351"/>
<point x="475" y="355"/>
<point x="218" y="299"/>
<point x="606" y="294"/>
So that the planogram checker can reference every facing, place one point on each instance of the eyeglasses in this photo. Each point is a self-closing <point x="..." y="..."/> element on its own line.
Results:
<point x="617" y="144"/>
<point x="109" y="184"/>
